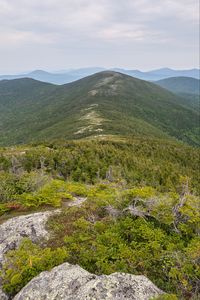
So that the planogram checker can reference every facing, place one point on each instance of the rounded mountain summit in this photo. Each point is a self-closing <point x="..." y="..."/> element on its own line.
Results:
<point x="104" y="104"/>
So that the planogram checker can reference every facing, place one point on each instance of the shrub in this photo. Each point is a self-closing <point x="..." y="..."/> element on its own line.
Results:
<point x="3" y="209"/>
<point x="27" y="262"/>
<point x="50" y="194"/>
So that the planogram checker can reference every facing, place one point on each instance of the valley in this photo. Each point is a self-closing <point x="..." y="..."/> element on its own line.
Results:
<point x="99" y="189"/>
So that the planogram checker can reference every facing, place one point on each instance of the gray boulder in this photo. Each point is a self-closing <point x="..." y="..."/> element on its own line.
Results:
<point x="15" y="229"/>
<point x="69" y="282"/>
<point x="3" y="296"/>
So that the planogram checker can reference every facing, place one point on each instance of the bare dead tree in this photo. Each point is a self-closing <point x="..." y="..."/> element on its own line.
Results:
<point x="176" y="209"/>
<point x="15" y="165"/>
<point x="136" y="211"/>
<point x="109" y="174"/>
<point x="113" y="212"/>
<point x="42" y="163"/>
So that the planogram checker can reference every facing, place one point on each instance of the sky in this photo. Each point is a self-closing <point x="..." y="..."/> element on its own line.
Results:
<point x="64" y="34"/>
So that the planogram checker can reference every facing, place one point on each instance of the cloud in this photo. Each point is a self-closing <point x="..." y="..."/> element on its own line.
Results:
<point x="86" y="24"/>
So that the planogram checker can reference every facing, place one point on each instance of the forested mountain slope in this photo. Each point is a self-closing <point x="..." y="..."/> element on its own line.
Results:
<point x="180" y="85"/>
<point x="107" y="103"/>
<point x="187" y="88"/>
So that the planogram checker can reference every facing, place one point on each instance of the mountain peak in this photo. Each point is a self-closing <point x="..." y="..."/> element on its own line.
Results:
<point x="108" y="103"/>
<point x="38" y="72"/>
<point x="111" y="73"/>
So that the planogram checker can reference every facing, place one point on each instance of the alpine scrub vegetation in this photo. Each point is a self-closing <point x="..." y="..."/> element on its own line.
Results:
<point x="141" y="213"/>
<point x="50" y="194"/>
<point x="135" y="230"/>
<point x="27" y="262"/>
<point x="139" y="234"/>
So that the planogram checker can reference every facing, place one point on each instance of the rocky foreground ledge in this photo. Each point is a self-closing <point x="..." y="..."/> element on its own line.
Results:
<point x="17" y="228"/>
<point x="69" y="282"/>
<point x="32" y="226"/>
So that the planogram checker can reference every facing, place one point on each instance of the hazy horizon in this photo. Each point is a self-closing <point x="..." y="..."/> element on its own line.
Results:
<point x="86" y="67"/>
<point x="56" y="35"/>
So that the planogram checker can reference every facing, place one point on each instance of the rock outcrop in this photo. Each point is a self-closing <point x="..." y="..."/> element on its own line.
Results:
<point x="15" y="229"/>
<point x="31" y="226"/>
<point x="3" y="296"/>
<point x="69" y="282"/>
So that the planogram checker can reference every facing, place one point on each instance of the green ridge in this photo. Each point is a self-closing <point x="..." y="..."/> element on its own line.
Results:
<point x="107" y="103"/>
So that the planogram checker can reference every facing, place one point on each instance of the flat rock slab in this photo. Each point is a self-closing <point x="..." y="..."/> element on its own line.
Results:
<point x="3" y="296"/>
<point x="31" y="226"/>
<point x="69" y="282"/>
<point x="15" y="229"/>
<point x="78" y="201"/>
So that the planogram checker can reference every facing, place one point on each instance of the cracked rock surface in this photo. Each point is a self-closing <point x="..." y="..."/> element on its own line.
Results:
<point x="15" y="229"/>
<point x="71" y="282"/>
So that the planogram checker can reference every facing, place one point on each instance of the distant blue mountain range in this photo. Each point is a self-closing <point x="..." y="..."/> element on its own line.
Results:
<point x="63" y="77"/>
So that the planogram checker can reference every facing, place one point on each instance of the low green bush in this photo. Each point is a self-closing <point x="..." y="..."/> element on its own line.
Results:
<point x="50" y="194"/>
<point x="27" y="262"/>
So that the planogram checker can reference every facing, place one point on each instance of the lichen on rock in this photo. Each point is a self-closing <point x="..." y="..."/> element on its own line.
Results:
<point x="15" y="229"/>
<point x="71" y="282"/>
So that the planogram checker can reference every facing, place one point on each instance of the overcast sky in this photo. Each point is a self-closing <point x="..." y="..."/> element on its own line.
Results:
<point x="62" y="34"/>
